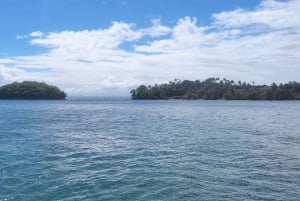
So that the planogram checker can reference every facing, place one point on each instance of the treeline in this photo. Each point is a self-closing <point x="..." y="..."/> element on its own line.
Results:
<point x="216" y="88"/>
<point x="31" y="90"/>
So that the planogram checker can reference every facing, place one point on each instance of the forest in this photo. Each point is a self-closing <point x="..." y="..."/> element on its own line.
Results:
<point x="216" y="88"/>
<point x="31" y="90"/>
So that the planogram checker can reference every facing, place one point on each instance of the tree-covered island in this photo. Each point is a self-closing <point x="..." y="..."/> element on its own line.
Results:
<point x="216" y="88"/>
<point x="31" y="90"/>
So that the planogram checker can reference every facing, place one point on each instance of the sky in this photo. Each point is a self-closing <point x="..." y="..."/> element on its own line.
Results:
<point x="108" y="47"/>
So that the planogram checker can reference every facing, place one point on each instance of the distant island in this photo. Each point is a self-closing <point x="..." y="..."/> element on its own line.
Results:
<point x="31" y="90"/>
<point x="216" y="88"/>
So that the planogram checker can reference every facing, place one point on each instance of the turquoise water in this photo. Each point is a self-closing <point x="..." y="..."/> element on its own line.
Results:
<point x="149" y="150"/>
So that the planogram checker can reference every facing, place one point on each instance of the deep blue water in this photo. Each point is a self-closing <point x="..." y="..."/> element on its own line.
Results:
<point x="149" y="150"/>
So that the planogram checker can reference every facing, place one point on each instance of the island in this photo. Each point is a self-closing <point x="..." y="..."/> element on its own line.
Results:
<point x="216" y="88"/>
<point x="31" y="90"/>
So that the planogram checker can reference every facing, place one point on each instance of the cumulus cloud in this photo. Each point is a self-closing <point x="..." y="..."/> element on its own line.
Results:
<point x="118" y="33"/>
<point x="274" y="14"/>
<point x="186" y="34"/>
<point x="10" y="74"/>
<point x="157" y="29"/>
<point x="262" y="44"/>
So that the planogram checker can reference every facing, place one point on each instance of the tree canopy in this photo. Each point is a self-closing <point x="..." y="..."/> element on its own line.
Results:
<point x="31" y="90"/>
<point x="216" y="88"/>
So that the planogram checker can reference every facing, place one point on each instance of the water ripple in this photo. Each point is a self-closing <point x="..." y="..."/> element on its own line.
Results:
<point x="149" y="150"/>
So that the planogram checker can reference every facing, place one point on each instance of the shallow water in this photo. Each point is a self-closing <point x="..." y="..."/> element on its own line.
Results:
<point x="149" y="150"/>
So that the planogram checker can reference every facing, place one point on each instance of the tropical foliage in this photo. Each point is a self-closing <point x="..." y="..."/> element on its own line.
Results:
<point x="31" y="90"/>
<point x="216" y="88"/>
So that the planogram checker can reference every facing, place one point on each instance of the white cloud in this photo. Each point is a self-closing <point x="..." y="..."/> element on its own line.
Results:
<point x="157" y="29"/>
<point x="10" y="74"/>
<point x="37" y="34"/>
<point x="112" y="37"/>
<point x="274" y="14"/>
<point x="33" y="34"/>
<point x="262" y="44"/>
<point x="185" y="35"/>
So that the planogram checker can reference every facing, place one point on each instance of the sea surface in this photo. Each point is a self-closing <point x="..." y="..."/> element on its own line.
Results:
<point x="122" y="149"/>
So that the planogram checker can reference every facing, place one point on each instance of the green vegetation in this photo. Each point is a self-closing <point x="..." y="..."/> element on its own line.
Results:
<point x="31" y="90"/>
<point x="216" y="88"/>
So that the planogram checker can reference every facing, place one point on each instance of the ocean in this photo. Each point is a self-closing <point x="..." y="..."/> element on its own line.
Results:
<point x="119" y="149"/>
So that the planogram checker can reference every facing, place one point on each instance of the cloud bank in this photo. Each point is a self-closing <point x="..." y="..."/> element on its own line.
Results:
<point x="261" y="45"/>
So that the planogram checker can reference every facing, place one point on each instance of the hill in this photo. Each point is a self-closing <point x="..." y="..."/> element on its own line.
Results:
<point x="31" y="90"/>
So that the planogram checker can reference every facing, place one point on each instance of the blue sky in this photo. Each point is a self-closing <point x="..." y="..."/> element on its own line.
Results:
<point x="105" y="47"/>
<point x="23" y="17"/>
